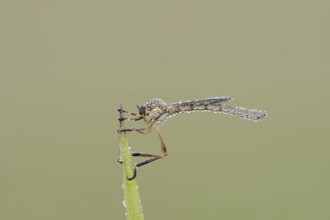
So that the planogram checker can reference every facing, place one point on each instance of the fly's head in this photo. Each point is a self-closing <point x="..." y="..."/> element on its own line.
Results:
<point x="152" y="110"/>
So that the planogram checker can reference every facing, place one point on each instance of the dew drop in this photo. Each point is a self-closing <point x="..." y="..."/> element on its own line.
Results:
<point x="124" y="203"/>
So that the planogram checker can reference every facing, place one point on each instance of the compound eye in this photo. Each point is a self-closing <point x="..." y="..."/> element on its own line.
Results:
<point x="142" y="110"/>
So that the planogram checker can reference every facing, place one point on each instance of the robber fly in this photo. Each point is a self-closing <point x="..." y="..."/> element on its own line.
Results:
<point x="156" y="111"/>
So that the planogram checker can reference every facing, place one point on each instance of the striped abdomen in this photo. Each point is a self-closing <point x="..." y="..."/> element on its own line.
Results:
<point x="216" y="104"/>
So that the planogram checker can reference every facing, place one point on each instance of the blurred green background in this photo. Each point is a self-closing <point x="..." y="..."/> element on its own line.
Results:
<point x="66" y="65"/>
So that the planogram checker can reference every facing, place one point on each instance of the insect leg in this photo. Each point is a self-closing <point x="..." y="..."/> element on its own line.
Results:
<point x="134" y="116"/>
<point x="140" y="130"/>
<point x="154" y="157"/>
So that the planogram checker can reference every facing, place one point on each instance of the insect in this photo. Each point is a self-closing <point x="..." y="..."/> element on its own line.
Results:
<point x="156" y="111"/>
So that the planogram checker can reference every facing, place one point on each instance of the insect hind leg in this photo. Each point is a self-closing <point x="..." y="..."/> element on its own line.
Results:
<point x="153" y="158"/>
<point x="139" y="164"/>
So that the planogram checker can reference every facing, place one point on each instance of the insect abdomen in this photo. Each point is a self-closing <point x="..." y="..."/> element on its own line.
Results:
<point x="245" y="113"/>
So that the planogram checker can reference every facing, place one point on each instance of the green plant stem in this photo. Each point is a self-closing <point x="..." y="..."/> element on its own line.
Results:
<point x="132" y="200"/>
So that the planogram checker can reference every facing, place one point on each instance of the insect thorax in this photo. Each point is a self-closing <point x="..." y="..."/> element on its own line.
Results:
<point x="156" y="111"/>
